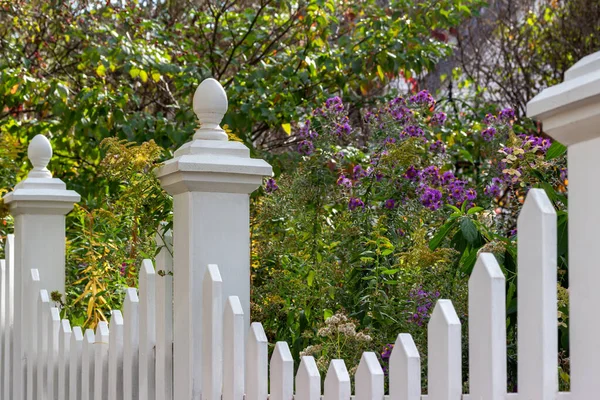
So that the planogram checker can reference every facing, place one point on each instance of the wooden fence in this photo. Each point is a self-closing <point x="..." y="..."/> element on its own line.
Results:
<point x="148" y="351"/>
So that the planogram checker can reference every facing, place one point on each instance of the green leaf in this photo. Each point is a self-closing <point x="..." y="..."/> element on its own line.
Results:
<point x="556" y="150"/>
<point x="437" y="239"/>
<point x="327" y="313"/>
<point x="474" y="210"/>
<point x="310" y="278"/>
<point x="469" y="230"/>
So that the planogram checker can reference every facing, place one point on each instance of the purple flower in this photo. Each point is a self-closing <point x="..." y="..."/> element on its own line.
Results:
<point x="431" y="175"/>
<point x="390" y="204"/>
<point x="343" y="129"/>
<point x="506" y="115"/>
<point x="423" y="302"/>
<point x="564" y="173"/>
<point x="306" y="147"/>
<point x="492" y="190"/>
<point x="412" y="173"/>
<point x="355" y="203"/>
<point x="447" y="177"/>
<point x="471" y="194"/>
<point x="358" y="172"/>
<point x="490" y="119"/>
<point x="123" y="269"/>
<point x="439" y="118"/>
<point x="343" y="181"/>
<point x="431" y="198"/>
<point x="422" y="98"/>
<point x="412" y="131"/>
<point x="488" y="134"/>
<point x="271" y="186"/>
<point x="438" y="145"/>
<point x="334" y="104"/>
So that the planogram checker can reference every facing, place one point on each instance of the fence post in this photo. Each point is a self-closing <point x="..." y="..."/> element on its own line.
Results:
<point x="210" y="179"/>
<point x="570" y="113"/>
<point x="39" y="205"/>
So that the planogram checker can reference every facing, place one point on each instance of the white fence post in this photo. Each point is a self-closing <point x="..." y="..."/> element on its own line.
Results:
<point x="444" y="353"/>
<point x="164" y="318"/>
<point x="212" y="335"/>
<point x="405" y="369"/>
<point x="43" y="307"/>
<point x="52" y="339"/>
<point x="210" y="179"/>
<point x="7" y="369"/>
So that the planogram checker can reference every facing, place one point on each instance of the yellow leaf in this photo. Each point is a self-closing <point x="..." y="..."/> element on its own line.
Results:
<point x="144" y="76"/>
<point x="155" y="76"/>
<point x="287" y="128"/>
<point x="101" y="70"/>
<point x="134" y="72"/>
<point x="67" y="38"/>
<point x="380" y="72"/>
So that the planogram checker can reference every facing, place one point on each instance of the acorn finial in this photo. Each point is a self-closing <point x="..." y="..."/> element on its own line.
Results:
<point x="210" y="105"/>
<point x="39" y="153"/>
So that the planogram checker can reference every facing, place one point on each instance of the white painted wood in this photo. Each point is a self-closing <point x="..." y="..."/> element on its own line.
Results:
<point x="405" y="369"/>
<point x="233" y="350"/>
<point x="164" y="318"/>
<point x="256" y="363"/>
<point x="337" y="382"/>
<point x="32" y="331"/>
<point x="42" y="361"/>
<point x="444" y="353"/>
<point x="487" y="329"/>
<point x="282" y="373"/>
<point x="212" y="337"/>
<point x="64" y="346"/>
<point x="369" y="378"/>
<point x="131" y="343"/>
<point x="87" y="365"/>
<point x="3" y="322"/>
<point x="308" y="380"/>
<point x="115" y="357"/>
<point x="147" y="295"/>
<point x="9" y="252"/>
<point x="101" y="346"/>
<point x="75" y="367"/>
<point x="537" y="306"/>
<point x="52" y="338"/>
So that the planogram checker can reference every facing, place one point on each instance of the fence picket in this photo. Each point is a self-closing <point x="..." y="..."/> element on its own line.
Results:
<point x="308" y="380"/>
<point x="43" y="307"/>
<point x="147" y="294"/>
<point x="405" y="369"/>
<point x="115" y="357"/>
<point x="131" y="344"/>
<point x="32" y="332"/>
<point x="212" y="335"/>
<point x="164" y="318"/>
<point x="101" y="345"/>
<point x="369" y="378"/>
<point x="487" y="330"/>
<point x="282" y="373"/>
<point x="233" y="350"/>
<point x="444" y="353"/>
<point x="256" y="363"/>
<point x="3" y="322"/>
<point x="75" y="356"/>
<point x="64" y="344"/>
<point x="52" y="337"/>
<point x="7" y="369"/>
<point x="87" y="365"/>
<point x="337" y="381"/>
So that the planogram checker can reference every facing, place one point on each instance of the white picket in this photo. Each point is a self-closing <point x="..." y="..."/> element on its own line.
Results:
<point x="537" y="350"/>
<point x="131" y="345"/>
<point x="405" y="369"/>
<point x="3" y="322"/>
<point x="256" y="363"/>
<point x="147" y="305"/>
<point x="282" y="373"/>
<point x="164" y="318"/>
<point x="32" y="332"/>
<point x="369" y="378"/>
<point x="87" y="365"/>
<point x="444" y="353"/>
<point x="64" y="345"/>
<point x="9" y="249"/>
<point x="487" y="330"/>
<point x="308" y="380"/>
<point x="75" y="366"/>
<point x="233" y="350"/>
<point x="101" y="345"/>
<point x="115" y="357"/>
<point x="337" y="381"/>
<point x="43" y="309"/>
<point x="52" y="337"/>
<point x="212" y="337"/>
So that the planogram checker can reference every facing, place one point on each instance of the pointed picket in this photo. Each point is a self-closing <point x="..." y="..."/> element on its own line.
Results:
<point x="405" y="369"/>
<point x="164" y="317"/>
<point x="101" y="361"/>
<point x="487" y="330"/>
<point x="147" y="306"/>
<point x="337" y="382"/>
<point x="64" y="345"/>
<point x="444" y="353"/>
<point x="87" y="365"/>
<point x="282" y="373"/>
<point x="233" y="350"/>
<point x="308" y="380"/>
<point x="32" y="331"/>
<point x="131" y="345"/>
<point x="52" y="337"/>
<point x="75" y="363"/>
<point x="369" y="378"/>
<point x="43" y="309"/>
<point x="537" y="352"/>
<point x="256" y="363"/>
<point x="3" y="322"/>
<point x="212" y="336"/>
<point x="7" y="369"/>
<point x="115" y="357"/>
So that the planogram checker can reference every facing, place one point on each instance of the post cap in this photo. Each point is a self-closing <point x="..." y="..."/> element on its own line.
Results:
<point x="210" y="106"/>
<point x="39" y="153"/>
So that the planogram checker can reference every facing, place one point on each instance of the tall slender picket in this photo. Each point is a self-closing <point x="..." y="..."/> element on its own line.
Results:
<point x="64" y="345"/>
<point x="7" y="368"/>
<point x="405" y="369"/>
<point x="42" y="359"/>
<point x="537" y="306"/>
<point x="3" y="321"/>
<point x="308" y="380"/>
<point x="256" y="363"/>
<point x="212" y="336"/>
<point x="164" y="319"/>
<point x="282" y="373"/>
<point x="487" y="330"/>
<point x="75" y="355"/>
<point x="444" y="353"/>
<point x="147" y="306"/>
<point x="233" y="350"/>
<point x="32" y="332"/>
<point x="115" y="357"/>
<point x="52" y="338"/>
<point x="87" y="365"/>
<point x="101" y="361"/>
<point x="369" y="378"/>
<point x="131" y="345"/>
<point x="337" y="381"/>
